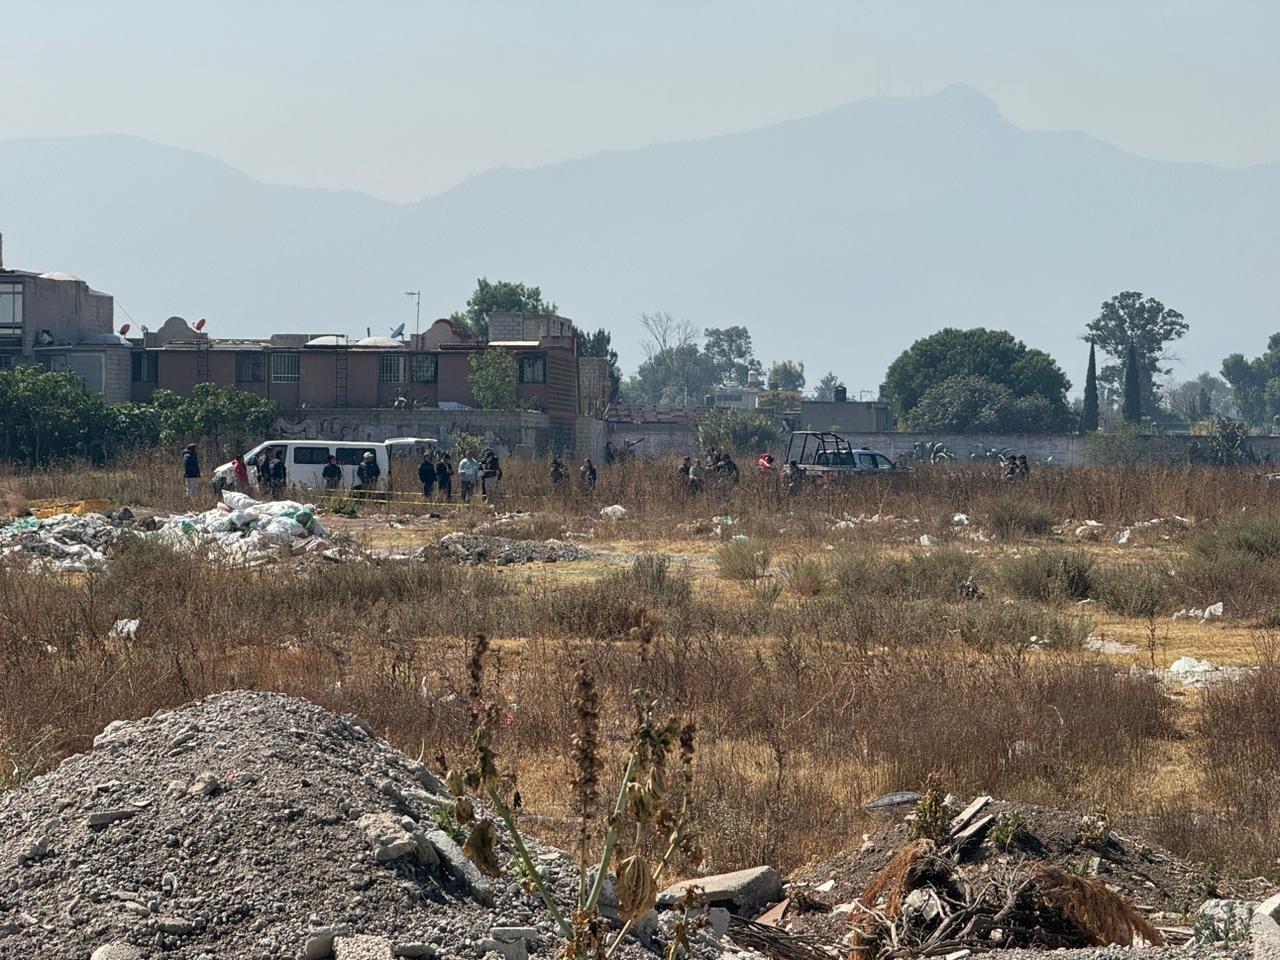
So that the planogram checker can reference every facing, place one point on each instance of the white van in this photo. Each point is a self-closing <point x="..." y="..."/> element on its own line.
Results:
<point x="305" y="460"/>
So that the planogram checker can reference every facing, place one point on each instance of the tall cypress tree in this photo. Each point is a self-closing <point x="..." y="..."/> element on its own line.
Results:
<point x="1132" y="387"/>
<point x="1089" y="416"/>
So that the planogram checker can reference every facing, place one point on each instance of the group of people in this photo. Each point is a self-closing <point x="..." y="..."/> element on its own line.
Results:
<point x="436" y="473"/>
<point x="1017" y="468"/>
<point x="693" y="473"/>
<point x="587" y="473"/>
<point x="269" y="479"/>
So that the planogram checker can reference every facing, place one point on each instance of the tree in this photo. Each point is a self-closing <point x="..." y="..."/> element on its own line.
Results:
<point x="600" y="344"/>
<point x="45" y="415"/>
<point x="1132" y="386"/>
<point x="1089" y="416"/>
<point x="1221" y="402"/>
<point x="825" y="389"/>
<point x="1130" y="319"/>
<point x="493" y="379"/>
<point x="991" y="355"/>
<point x="731" y="354"/>
<point x="741" y="430"/>
<point x="971" y="404"/>
<point x="1255" y="384"/>
<point x="500" y="297"/>
<point x="675" y="371"/>
<point x="226" y="418"/>
<point x="786" y="375"/>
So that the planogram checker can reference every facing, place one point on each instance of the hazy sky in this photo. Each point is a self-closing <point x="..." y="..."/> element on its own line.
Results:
<point x="403" y="99"/>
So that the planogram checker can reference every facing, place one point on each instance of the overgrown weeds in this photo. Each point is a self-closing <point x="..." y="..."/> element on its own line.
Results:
<point x="1048" y="575"/>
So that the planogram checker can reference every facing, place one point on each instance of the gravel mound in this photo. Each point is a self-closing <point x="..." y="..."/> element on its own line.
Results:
<point x="251" y="825"/>
<point x="477" y="548"/>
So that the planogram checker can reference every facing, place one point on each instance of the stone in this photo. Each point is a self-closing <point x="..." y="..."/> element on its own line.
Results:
<point x="176" y="925"/>
<point x="460" y="867"/>
<point x="509" y="934"/>
<point x="922" y="906"/>
<point x="888" y="801"/>
<point x="319" y="943"/>
<point x="743" y="891"/>
<point x="413" y="949"/>
<point x="718" y="921"/>
<point x="387" y="836"/>
<point x="102" y="818"/>
<point x="513" y="950"/>
<point x="116" y="951"/>
<point x="33" y="850"/>
<point x="362" y="947"/>
<point x="204" y="785"/>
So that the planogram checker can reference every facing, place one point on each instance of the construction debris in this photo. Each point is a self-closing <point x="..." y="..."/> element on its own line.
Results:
<point x="475" y="548"/>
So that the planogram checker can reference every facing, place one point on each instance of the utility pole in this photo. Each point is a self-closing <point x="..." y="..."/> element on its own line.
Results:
<point x="417" y="310"/>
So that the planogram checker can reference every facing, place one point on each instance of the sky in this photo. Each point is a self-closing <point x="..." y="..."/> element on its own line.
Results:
<point x="404" y="99"/>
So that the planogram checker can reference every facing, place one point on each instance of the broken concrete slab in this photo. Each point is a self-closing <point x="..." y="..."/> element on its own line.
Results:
<point x="743" y="891"/>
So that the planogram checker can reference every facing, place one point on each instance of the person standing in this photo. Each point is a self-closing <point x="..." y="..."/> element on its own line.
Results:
<point x="241" y="474"/>
<point x="1024" y="468"/>
<point x="468" y="473"/>
<point x="557" y="470"/>
<point x="368" y="472"/>
<point x="444" y="477"/>
<point x="191" y="469"/>
<point x="262" y="467"/>
<point x="490" y="474"/>
<point x="427" y="475"/>
<point x="278" y="474"/>
<point x="332" y="474"/>
<point x="587" y="474"/>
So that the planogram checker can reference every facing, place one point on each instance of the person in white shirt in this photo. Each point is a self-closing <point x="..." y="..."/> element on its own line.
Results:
<point x="468" y="474"/>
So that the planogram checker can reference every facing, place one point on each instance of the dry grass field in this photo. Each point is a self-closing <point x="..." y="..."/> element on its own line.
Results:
<point x="826" y="658"/>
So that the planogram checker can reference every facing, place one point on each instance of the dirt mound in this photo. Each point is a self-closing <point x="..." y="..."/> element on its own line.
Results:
<point x="250" y="825"/>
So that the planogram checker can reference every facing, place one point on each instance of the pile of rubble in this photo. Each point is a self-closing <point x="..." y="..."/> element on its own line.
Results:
<point x="255" y="825"/>
<point x="1001" y="877"/>
<point x="476" y="548"/>
<point x="240" y="530"/>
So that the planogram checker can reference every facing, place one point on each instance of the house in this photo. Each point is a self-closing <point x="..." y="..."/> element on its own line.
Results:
<point x="57" y="320"/>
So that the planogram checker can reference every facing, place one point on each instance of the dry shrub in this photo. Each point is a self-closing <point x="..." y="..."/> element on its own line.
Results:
<point x="805" y="576"/>
<point x="1104" y="917"/>
<point x="1132" y="590"/>
<point x="1014" y="516"/>
<point x="746" y="559"/>
<point x="1048" y="575"/>
<point x="946" y="573"/>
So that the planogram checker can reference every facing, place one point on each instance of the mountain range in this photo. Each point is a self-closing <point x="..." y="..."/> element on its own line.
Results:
<point x="837" y="239"/>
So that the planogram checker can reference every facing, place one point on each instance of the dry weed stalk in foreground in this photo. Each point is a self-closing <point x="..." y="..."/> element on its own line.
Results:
<point x="646" y="801"/>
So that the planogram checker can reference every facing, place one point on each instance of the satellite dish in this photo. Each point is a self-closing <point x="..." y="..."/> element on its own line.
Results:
<point x="397" y="332"/>
<point x="200" y="324"/>
<point x="124" y="330"/>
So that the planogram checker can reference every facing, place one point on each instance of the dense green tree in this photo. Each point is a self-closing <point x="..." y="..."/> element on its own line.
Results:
<point x="600" y="344"/>
<point x="786" y="375"/>
<point x="493" y="380"/>
<point x="972" y="404"/>
<point x="825" y="389"/>
<point x="1130" y="319"/>
<point x="1132" y="407"/>
<point x="994" y="356"/>
<point x="1255" y="384"/>
<point x="501" y="296"/>
<point x="1089" y="416"/>
<point x="227" y="419"/>
<point x="46" y="415"/>
<point x="730" y="352"/>
<point x="740" y="430"/>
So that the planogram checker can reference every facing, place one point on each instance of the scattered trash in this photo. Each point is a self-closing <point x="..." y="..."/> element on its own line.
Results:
<point x="1101" y="645"/>
<point x="1124" y="536"/>
<point x="1191" y="665"/>
<point x="927" y="541"/>
<point x="125" y="629"/>
<point x="960" y="520"/>
<point x="1211" y="612"/>
<point x="615" y="512"/>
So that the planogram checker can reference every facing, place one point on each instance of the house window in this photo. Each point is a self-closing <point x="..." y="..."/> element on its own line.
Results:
<point x="533" y="368"/>
<point x="145" y="366"/>
<point x="10" y="309"/>
<point x="391" y="368"/>
<point x="249" y="368"/>
<point x="422" y="367"/>
<point x="284" y="368"/>
<point x="6" y="361"/>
